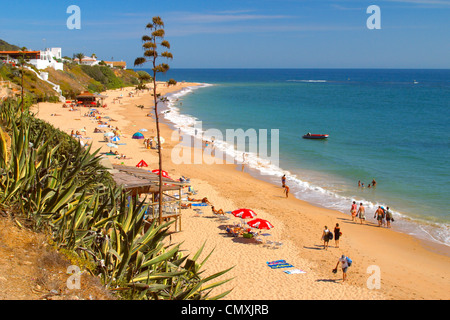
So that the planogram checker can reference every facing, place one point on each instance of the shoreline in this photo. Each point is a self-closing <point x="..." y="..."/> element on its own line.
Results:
<point x="407" y="226"/>
<point x="298" y="225"/>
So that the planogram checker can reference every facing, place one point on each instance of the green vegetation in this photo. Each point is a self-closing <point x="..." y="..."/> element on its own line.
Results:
<point x="74" y="79"/>
<point x="49" y="183"/>
<point x="5" y="46"/>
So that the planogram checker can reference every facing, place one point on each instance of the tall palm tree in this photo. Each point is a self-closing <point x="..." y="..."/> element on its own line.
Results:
<point x="151" y="44"/>
<point x="79" y="56"/>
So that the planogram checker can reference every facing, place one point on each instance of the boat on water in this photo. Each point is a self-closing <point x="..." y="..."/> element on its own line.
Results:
<point x="315" y="136"/>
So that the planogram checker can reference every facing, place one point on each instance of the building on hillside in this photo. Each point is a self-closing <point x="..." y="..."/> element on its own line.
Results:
<point x="40" y="59"/>
<point x="89" y="61"/>
<point x="116" y="64"/>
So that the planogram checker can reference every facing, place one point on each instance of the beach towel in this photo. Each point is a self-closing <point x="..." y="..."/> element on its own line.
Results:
<point x="279" y="264"/>
<point x="199" y="204"/>
<point x="294" y="271"/>
<point x="275" y="262"/>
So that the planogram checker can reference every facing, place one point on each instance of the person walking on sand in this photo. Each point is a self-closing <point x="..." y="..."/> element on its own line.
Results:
<point x="337" y="235"/>
<point x="286" y="190"/>
<point x="283" y="181"/>
<point x="388" y="217"/>
<point x="361" y="213"/>
<point x="379" y="214"/>
<point x="353" y="210"/>
<point x="325" y="237"/>
<point x="344" y="265"/>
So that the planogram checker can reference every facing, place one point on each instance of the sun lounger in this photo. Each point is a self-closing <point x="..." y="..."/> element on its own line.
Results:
<point x="230" y="231"/>
<point x="223" y="218"/>
<point x="277" y="244"/>
<point x="258" y="240"/>
<point x="268" y="243"/>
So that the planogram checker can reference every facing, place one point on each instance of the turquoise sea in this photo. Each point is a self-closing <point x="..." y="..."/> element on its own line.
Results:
<point x="388" y="125"/>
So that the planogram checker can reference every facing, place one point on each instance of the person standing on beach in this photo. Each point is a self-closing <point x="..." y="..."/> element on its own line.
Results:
<point x="286" y="190"/>
<point x="388" y="217"/>
<point x="337" y="235"/>
<point x="379" y="214"/>
<point x="353" y="210"/>
<point x="361" y="213"/>
<point x="325" y="237"/>
<point x="283" y="181"/>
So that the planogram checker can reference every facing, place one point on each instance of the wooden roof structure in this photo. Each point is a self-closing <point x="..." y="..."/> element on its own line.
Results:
<point x="140" y="180"/>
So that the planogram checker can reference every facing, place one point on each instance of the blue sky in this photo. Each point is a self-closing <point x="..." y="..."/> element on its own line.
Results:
<point x="244" y="33"/>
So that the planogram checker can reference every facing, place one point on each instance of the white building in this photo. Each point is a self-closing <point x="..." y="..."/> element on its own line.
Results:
<point x="89" y="61"/>
<point x="49" y="58"/>
<point x="40" y="59"/>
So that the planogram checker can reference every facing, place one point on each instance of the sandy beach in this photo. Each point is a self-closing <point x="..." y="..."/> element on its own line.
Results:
<point x="407" y="267"/>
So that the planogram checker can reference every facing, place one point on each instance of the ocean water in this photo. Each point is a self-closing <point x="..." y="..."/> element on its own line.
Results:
<point x="388" y="125"/>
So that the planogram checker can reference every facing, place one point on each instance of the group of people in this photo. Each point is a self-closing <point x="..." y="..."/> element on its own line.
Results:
<point x="327" y="235"/>
<point x="361" y="184"/>
<point x="148" y="143"/>
<point x="383" y="216"/>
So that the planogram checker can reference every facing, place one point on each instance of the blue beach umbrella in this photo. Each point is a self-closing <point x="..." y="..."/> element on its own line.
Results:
<point x="137" y="135"/>
<point x="115" y="138"/>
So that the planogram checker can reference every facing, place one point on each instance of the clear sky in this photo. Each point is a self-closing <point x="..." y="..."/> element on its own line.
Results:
<point x="243" y="33"/>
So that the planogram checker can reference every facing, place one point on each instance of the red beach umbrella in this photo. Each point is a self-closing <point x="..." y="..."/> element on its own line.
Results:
<point x="244" y="213"/>
<point x="260" y="224"/>
<point x="164" y="173"/>
<point x="141" y="164"/>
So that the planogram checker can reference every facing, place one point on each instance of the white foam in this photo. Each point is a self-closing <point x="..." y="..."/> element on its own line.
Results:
<point x="308" y="81"/>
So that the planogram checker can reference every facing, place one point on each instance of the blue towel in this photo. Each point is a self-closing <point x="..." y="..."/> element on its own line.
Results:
<point x="199" y="204"/>
<point x="279" y="264"/>
<point x="275" y="262"/>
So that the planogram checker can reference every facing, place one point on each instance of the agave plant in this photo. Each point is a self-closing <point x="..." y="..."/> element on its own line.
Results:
<point x="62" y="188"/>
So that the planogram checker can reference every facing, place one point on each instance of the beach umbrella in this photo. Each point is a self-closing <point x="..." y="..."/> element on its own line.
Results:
<point x="109" y="134"/>
<point x="137" y="135"/>
<point x="155" y="138"/>
<point x="260" y="224"/>
<point x="244" y="213"/>
<point x="115" y="139"/>
<point x="142" y="163"/>
<point x="112" y="145"/>
<point x="164" y="173"/>
<point x="143" y="130"/>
